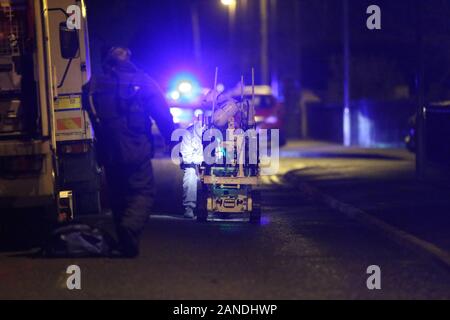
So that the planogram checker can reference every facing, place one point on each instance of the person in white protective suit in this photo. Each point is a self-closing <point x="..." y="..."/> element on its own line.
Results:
<point x="191" y="150"/>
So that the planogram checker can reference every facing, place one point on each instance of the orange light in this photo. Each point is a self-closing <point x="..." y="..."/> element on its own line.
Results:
<point x="228" y="2"/>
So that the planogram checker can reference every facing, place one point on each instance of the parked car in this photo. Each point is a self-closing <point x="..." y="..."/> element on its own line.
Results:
<point x="269" y="111"/>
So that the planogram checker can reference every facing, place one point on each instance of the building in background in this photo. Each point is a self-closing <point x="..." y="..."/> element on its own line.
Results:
<point x="296" y="46"/>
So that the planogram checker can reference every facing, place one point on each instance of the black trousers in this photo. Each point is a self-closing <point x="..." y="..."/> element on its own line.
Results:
<point x="131" y="192"/>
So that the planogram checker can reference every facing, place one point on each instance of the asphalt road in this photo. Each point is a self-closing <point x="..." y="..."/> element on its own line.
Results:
<point x="302" y="250"/>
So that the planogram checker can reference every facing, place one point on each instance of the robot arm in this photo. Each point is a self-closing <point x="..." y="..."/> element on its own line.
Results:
<point x="225" y="112"/>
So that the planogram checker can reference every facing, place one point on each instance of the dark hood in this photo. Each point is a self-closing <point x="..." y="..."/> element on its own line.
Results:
<point x="121" y="67"/>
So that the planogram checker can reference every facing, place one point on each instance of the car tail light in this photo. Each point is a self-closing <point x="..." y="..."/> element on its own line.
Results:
<point x="21" y="164"/>
<point x="259" y="119"/>
<point x="271" y="120"/>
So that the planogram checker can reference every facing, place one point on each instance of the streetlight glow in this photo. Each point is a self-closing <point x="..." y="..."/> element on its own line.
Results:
<point x="228" y="2"/>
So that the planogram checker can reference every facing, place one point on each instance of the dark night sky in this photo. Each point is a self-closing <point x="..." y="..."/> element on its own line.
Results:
<point x="160" y="35"/>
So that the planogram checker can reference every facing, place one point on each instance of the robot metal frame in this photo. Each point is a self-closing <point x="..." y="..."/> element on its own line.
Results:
<point x="229" y="189"/>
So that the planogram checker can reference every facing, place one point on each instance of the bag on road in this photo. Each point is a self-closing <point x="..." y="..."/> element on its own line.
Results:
<point x="78" y="240"/>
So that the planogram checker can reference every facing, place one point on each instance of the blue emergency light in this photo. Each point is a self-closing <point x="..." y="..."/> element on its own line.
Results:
<point x="184" y="88"/>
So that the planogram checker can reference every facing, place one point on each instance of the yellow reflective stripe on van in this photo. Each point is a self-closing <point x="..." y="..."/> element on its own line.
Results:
<point x="68" y="102"/>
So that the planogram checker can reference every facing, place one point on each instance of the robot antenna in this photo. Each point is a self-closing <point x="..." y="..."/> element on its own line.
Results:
<point x="242" y="92"/>
<point x="253" y="87"/>
<point x="215" y="90"/>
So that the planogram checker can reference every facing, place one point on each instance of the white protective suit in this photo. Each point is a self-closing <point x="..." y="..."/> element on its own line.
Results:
<point x="191" y="150"/>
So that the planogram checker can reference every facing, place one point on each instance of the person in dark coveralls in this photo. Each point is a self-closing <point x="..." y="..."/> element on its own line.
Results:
<point x="121" y="103"/>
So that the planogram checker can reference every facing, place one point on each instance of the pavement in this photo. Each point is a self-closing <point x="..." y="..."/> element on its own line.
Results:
<point x="381" y="183"/>
<point x="302" y="249"/>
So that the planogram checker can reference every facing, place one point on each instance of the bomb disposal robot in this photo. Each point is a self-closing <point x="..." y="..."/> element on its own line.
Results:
<point x="231" y="174"/>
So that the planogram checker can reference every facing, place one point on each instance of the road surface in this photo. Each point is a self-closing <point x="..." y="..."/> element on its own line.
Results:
<point x="301" y="250"/>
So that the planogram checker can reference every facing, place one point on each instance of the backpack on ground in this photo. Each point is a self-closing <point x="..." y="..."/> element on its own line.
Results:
<point x="78" y="240"/>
